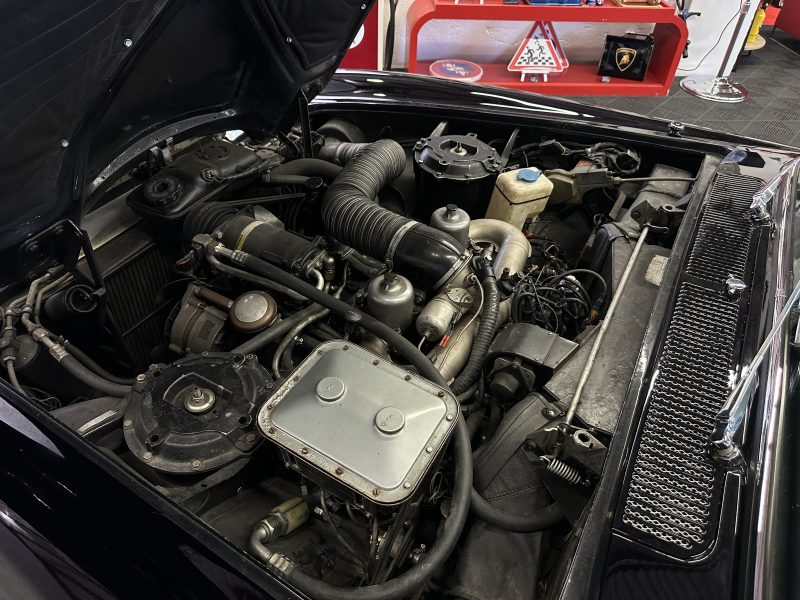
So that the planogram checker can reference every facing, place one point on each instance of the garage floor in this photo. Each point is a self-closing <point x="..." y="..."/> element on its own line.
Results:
<point x="771" y="75"/>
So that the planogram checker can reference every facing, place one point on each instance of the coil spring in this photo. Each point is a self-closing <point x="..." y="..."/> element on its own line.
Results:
<point x="563" y="470"/>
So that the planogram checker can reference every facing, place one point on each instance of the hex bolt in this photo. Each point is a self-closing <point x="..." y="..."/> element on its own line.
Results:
<point x="339" y="471"/>
<point x="440" y="393"/>
<point x="407" y="485"/>
<point x="449" y="417"/>
<point x="127" y="423"/>
<point x="196" y="464"/>
<point x="375" y="491"/>
<point x="429" y="449"/>
<point x="376" y="362"/>
<point x="408" y="377"/>
<point x="304" y="450"/>
<point x="271" y="431"/>
<point x="64" y="143"/>
<point x="147" y="456"/>
<point x="250" y="438"/>
<point x="140" y="378"/>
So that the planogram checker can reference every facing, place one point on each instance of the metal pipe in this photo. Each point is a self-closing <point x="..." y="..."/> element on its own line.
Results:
<point x="598" y="339"/>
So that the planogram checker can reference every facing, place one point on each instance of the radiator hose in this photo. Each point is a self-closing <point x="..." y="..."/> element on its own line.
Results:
<point x="486" y="328"/>
<point x="427" y="256"/>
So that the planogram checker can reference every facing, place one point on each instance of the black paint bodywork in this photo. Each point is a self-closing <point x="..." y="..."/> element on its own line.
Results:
<point x="69" y="509"/>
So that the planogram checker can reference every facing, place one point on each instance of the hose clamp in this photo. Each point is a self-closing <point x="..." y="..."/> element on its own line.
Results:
<point x="397" y="238"/>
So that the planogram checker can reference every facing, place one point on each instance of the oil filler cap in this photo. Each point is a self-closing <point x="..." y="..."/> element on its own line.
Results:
<point x="390" y="420"/>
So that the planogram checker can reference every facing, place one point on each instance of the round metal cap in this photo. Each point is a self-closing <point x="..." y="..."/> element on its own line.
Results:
<point x="199" y="400"/>
<point x="390" y="419"/>
<point x="330" y="389"/>
<point x="253" y="311"/>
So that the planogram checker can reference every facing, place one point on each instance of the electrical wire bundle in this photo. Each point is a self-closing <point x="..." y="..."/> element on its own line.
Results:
<point x="557" y="302"/>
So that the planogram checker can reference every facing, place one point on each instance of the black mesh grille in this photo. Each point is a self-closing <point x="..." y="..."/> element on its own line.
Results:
<point x="673" y="487"/>
<point x="134" y="298"/>
<point x="723" y="241"/>
<point x="673" y="482"/>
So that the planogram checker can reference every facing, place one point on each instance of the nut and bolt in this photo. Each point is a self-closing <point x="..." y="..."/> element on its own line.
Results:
<point x="449" y="417"/>
<point x="127" y="42"/>
<point x="127" y="423"/>
<point x="140" y="378"/>
<point x="304" y="451"/>
<point x="407" y="485"/>
<point x="376" y="362"/>
<point x="408" y="377"/>
<point x="271" y="431"/>
<point x="250" y="438"/>
<point x="196" y="464"/>
<point x="429" y="449"/>
<point x="339" y="471"/>
<point x="345" y="347"/>
<point x="375" y="491"/>
<point x="147" y="456"/>
<point x="440" y="393"/>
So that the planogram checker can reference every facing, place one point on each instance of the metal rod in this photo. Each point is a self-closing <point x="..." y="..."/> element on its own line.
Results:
<point x="731" y="415"/>
<point x="598" y="339"/>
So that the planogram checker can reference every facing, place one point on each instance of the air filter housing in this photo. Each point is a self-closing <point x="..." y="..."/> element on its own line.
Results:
<point x="457" y="169"/>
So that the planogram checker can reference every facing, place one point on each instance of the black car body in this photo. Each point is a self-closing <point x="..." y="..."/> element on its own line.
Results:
<point x="107" y="97"/>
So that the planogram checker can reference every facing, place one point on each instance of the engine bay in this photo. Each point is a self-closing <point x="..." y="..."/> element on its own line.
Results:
<point x="370" y="351"/>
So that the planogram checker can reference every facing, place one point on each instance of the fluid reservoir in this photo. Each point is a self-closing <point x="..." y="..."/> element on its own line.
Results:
<point x="518" y="195"/>
<point x="452" y="220"/>
<point x="390" y="298"/>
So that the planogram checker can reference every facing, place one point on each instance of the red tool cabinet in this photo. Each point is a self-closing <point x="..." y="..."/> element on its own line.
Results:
<point x="670" y="36"/>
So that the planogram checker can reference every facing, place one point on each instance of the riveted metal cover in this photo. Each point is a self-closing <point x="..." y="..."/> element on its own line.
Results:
<point x="353" y="418"/>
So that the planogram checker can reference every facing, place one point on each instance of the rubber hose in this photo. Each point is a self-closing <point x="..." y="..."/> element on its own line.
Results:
<point x="432" y="560"/>
<point x="341" y="153"/>
<point x="423" y="253"/>
<point x="542" y="519"/>
<point x="311" y="167"/>
<point x="258" y="341"/>
<point x="73" y="366"/>
<point x="309" y="182"/>
<point x="90" y="364"/>
<point x="484" y="334"/>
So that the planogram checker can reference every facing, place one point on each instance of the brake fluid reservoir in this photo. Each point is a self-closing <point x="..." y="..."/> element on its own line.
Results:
<point x="518" y="195"/>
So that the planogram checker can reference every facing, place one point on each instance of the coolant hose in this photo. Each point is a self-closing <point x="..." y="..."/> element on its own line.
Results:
<point x="90" y="364"/>
<point x="431" y="561"/>
<point x="309" y="167"/>
<point x="486" y="329"/>
<point x="429" y="257"/>
<point x="278" y="330"/>
<point x="341" y="153"/>
<point x="542" y="519"/>
<point x="73" y="366"/>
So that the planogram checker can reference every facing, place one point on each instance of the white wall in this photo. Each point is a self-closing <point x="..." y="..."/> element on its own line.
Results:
<point x="582" y="42"/>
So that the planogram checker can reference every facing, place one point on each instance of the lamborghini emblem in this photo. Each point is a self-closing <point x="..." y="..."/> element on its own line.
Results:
<point x="625" y="58"/>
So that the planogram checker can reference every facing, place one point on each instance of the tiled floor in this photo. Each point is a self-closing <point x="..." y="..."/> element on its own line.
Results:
<point x="771" y="75"/>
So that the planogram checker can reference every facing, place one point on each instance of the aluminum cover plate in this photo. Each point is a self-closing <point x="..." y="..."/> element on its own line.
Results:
<point x="356" y="418"/>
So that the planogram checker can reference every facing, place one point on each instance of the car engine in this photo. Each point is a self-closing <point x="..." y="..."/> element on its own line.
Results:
<point x="364" y="351"/>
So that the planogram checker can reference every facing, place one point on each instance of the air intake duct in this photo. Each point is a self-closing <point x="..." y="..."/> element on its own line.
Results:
<point x="427" y="256"/>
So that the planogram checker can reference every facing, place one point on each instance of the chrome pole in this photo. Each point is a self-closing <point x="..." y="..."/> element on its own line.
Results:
<point x="720" y="88"/>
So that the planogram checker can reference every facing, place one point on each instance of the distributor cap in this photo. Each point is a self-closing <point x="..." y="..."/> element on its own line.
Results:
<point x="459" y="157"/>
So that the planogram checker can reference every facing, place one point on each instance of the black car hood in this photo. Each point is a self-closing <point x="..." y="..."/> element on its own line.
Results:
<point x="83" y="80"/>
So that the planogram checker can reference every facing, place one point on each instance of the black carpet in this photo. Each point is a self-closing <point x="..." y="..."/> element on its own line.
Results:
<point x="771" y="75"/>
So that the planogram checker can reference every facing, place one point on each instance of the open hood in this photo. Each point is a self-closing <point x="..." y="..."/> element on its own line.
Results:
<point x="82" y="81"/>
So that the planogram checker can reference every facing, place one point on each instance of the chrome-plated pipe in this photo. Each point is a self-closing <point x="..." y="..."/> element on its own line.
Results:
<point x="513" y="250"/>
